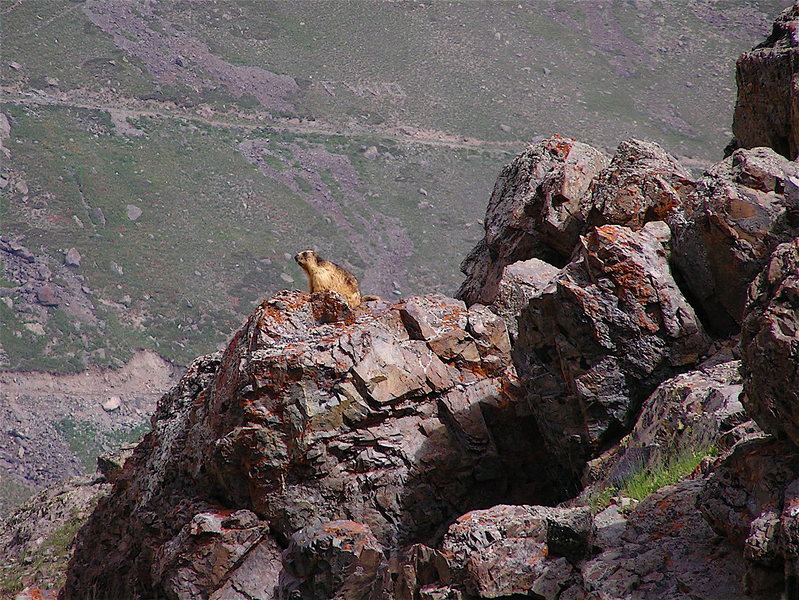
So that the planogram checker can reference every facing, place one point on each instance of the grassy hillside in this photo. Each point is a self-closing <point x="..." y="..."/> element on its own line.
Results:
<point x="188" y="149"/>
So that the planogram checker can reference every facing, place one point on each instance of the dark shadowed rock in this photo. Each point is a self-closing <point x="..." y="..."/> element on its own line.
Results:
<point x="534" y="212"/>
<point x="338" y="559"/>
<point x="302" y="422"/>
<point x="738" y="215"/>
<point x="599" y="340"/>
<point x="746" y="499"/>
<point x="767" y="109"/>
<point x="768" y="345"/>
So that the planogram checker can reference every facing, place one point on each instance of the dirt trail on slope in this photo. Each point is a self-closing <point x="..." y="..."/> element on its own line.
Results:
<point x="134" y="109"/>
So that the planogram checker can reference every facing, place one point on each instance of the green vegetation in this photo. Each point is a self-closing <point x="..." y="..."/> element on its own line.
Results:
<point x="211" y="239"/>
<point x="87" y="442"/>
<point x="13" y="492"/>
<point x="48" y="565"/>
<point x="649" y="479"/>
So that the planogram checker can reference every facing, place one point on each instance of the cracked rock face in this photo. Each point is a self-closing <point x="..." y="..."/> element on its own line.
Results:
<point x="398" y="419"/>
<point x="751" y="499"/>
<point x="534" y="212"/>
<point x="769" y="349"/>
<point x="602" y="336"/>
<point x="767" y="109"/>
<point x="743" y="208"/>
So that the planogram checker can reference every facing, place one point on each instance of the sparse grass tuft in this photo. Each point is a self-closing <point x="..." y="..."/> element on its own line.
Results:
<point x="651" y="479"/>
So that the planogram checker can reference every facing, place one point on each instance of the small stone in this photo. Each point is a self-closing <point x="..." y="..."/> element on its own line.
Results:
<point x="15" y="65"/>
<point x="72" y="258"/>
<point x="35" y="328"/>
<point x="126" y="300"/>
<point x="46" y="295"/>
<point x="112" y="404"/>
<point x="287" y="278"/>
<point x="52" y="81"/>
<point x="371" y="153"/>
<point x="423" y="192"/>
<point x="134" y="212"/>
<point x="546" y="71"/>
<point x="22" y="187"/>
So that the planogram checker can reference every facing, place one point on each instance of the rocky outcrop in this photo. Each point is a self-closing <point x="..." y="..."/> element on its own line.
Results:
<point x="692" y="413"/>
<point x="767" y="109"/>
<point x="535" y="211"/>
<point x="555" y="191"/>
<point x="597" y="342"/>
<point x="750" y="499"/>
<point x="769" y="349"/>
<point x="743" y="208"/>
<point x="399" y="418"/>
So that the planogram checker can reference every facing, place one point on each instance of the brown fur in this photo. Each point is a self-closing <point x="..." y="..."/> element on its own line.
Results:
<point x="324" y="275"/>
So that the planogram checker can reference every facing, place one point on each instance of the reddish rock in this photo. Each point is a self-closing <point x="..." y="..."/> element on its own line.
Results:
<point x="337" y="559"/>
<point x="642" y="183"/>
<point x="47" y="295"/>
<point x="597" y="342"/>
<point x="302" y="422"/>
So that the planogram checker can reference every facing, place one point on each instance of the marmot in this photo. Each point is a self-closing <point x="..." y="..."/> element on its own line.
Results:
<point x="324" y="275"/>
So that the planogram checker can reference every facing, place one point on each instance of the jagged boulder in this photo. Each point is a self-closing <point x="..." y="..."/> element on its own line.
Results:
<point x="555" y="191"/>
<point x="642" y="183"/>
<point x="767" y="109"/>
<point x="597" y="342"/>
<point x="338" y="559"/>
<point x="742" y="209"/>
<point x="508" y="550"/>
<point x="398" y="418"/>
<point x="768" y="345"/>
<point x="534" y="212"/>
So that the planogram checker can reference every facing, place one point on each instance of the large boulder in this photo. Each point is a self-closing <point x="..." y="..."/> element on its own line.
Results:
<point x="743" y="208"/>
<point x="597" y="342"/>
<point x="397" y="418"/>
<point x="509" y="550"/>
<point x="768" y="345"/>
<point x="534" y="212"/>
<point x="767" y="109"/>
<point x="642" y="183"/>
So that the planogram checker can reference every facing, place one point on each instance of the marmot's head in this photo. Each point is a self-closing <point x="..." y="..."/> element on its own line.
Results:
<point x="306" y="257"/>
